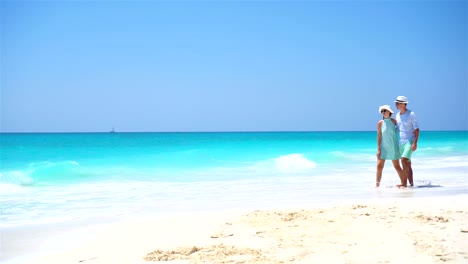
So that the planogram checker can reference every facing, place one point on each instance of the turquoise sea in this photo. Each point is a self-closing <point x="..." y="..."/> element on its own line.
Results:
<point x="62" y="178"/>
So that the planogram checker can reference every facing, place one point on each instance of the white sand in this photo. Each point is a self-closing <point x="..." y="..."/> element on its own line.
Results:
<point x="422" y="230"/>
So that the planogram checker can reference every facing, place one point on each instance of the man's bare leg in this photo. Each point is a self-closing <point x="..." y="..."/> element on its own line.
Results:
<point x="396" y="165"/>
<point x="406" y="170"/>
<point x="410" y="174"/>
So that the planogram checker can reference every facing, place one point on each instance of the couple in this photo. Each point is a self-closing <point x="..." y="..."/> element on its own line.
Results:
<point x="388" y="147"/>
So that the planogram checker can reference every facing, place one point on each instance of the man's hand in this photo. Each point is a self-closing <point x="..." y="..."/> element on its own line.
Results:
<point x="414" y="146"/>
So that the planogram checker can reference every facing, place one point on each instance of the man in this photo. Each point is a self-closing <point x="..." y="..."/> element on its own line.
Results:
<point x="409" y="134"/>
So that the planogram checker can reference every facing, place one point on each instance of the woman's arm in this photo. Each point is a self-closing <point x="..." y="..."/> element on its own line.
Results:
<point x="379" y="137"/>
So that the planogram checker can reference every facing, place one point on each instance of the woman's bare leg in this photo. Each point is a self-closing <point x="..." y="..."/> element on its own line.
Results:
<point x="380" y="166"/>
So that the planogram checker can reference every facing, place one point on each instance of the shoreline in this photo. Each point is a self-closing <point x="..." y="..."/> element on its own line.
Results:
<point x="416" y="230"/>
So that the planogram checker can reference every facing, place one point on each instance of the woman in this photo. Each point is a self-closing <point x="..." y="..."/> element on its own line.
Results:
<point x="387" y="143"/>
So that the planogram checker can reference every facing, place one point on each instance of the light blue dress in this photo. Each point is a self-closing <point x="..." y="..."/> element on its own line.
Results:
<point x="389" y="149"/>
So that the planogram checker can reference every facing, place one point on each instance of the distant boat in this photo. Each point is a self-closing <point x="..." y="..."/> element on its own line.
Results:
<point x="113" y="130"/>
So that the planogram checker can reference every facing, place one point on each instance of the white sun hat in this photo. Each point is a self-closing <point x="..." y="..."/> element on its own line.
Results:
<point x="386" y="107"/>
<point x="401" y="99"/>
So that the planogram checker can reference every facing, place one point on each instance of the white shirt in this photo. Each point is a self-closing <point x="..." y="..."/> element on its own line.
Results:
<point x="406" y="123"/>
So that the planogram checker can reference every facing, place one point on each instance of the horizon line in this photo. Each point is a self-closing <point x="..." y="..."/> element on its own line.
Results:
<point x="206" y="131"/>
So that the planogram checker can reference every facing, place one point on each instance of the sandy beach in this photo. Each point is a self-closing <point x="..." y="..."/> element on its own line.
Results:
<point x="423" y="230"/>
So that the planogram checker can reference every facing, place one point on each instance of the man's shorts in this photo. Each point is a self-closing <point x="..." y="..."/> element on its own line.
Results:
<point x="405" y="150"/>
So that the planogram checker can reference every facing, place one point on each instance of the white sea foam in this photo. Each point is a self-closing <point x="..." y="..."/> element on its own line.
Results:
<point x="343" y="156"/>
<point x="287" y="179"/>
<point x="444" y="149"/>
<point x="47" y="164"/>
<point x="9" y="188"/>
<point x="16" y="177"/>
<point x="442" y="162"/>
<point x="294" y="163"/>
<point x="42" y="163"/>
<point x="291" y="163"/>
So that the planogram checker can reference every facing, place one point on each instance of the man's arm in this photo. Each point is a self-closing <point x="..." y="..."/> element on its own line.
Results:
<point x="416" y="137"/>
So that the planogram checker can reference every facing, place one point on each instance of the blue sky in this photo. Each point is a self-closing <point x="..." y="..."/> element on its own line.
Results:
<point x="69" y="66"/>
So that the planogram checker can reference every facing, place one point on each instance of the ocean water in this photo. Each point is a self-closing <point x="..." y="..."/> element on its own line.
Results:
<point x="63" y="178"/>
